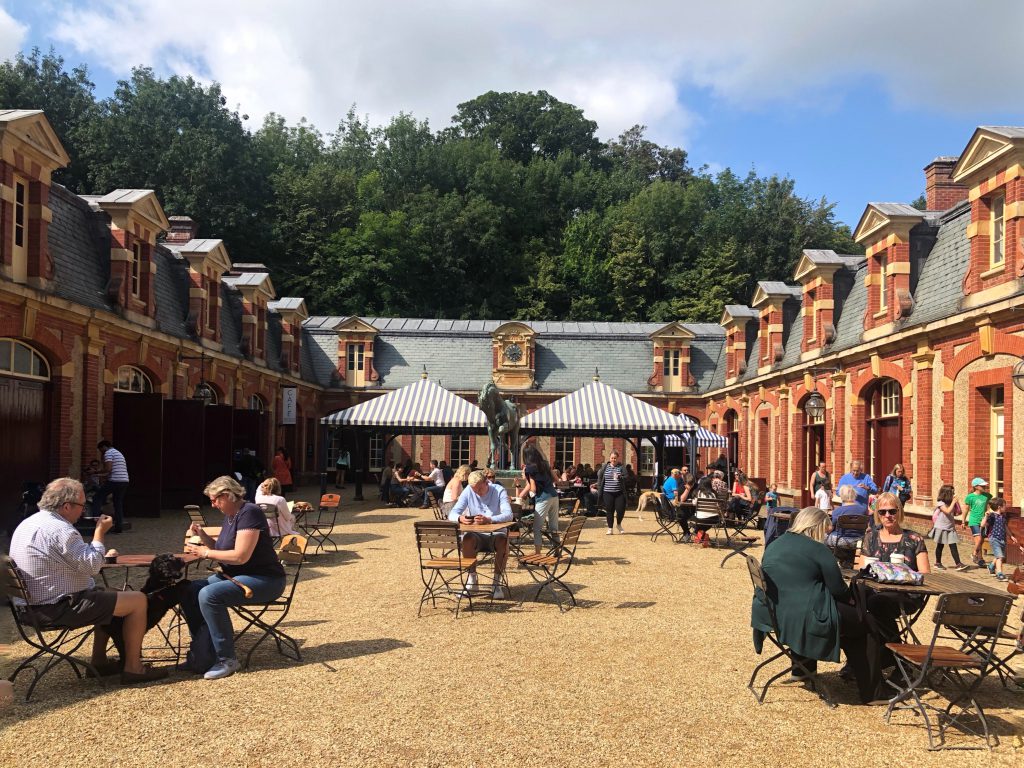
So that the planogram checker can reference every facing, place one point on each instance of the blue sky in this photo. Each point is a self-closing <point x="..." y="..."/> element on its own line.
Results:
<point x="851" y="99"/>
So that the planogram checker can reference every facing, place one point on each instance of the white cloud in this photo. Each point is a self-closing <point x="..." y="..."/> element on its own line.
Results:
<point x="623" y="64"/>
<point x="12" y="35"/>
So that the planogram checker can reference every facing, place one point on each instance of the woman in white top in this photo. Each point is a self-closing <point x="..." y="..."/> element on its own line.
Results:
<point x="453" y="490"/>
<point x="270" y="493"/>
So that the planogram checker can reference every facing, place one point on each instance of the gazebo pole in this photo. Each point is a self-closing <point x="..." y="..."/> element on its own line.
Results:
<point x="324" y="436"/>
<point x="359" y="466"/>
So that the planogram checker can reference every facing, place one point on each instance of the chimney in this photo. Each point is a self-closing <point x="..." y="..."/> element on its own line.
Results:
<point x="941" y="192"/>
<point x="182" y="229"/>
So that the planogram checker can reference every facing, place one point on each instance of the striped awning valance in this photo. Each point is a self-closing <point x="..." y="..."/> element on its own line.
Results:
<point x="600" y="408"/>
<point x="705" y="439"/>
<point x="422" y="405"/>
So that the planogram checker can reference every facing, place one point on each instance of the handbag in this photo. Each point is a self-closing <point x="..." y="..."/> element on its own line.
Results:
<point x="895" y="573"/>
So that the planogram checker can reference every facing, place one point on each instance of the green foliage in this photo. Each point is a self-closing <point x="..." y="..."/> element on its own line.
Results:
<point x="517" y="210"/>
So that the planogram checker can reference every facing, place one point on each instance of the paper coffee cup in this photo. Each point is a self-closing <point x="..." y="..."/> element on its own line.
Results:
<point x="897" y="560"/>
<point x="865" y="561"/>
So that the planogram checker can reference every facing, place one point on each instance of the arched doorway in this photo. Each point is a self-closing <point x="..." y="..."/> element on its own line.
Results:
<point x="25" y="416"/>
<point x="883" y="433"/>
<point x="813" y="452"/>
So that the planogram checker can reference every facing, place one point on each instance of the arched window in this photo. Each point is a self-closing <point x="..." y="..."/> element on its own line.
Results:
<point x="131" y="379"/>
<point x="256" y="404"/>
<point x="21" y="361"/>
<point x="884" y="428"/>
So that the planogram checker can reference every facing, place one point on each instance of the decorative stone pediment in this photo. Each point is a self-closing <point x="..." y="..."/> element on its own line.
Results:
<point x="135" y="210"/>
<point x="674" y="331"/>
<point x="514" y="355"/>
<point x="816" y="264"/>
<point x="737" y="315"/>
<point x="29" y="132"/>
<point x="205" y="253"/>
<point x="990" y="150"/>
<point x="773" y="294"/>
<point x="880" y="220"/>
<point x="355" y="326"/>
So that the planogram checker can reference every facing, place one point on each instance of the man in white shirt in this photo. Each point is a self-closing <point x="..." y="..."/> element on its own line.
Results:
<point x="115" y="483"/>
<point x="58" y="567"/>
<point x="436" y="477"/>
<point x="482" y="502"/>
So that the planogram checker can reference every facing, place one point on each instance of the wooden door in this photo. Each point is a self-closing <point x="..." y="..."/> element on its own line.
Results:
<point x="184" y="473"/>
<point x="814" y="454"/>
<point x="888" y="448"/>
<point x="138" y="434"/>
<point x="24" y="439"/>
<point x="218" y="440"/>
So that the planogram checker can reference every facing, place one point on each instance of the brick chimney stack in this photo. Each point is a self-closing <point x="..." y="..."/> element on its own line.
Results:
<point x="182" y="229"/>
<point x="940" y="192"/>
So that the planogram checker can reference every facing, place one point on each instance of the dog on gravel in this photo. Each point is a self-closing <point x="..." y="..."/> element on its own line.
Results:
<point x="164" y="589"/>
<point x="645" y="498"/>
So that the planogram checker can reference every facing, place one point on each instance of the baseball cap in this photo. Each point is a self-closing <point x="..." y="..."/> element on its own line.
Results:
<point x="978" y="481"/>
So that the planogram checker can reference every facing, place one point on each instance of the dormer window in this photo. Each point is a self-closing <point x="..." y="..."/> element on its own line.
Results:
<point x="996" y="253"/>
<point x="883" y="263"/>
<point x="20" y="229"/>
<point x="136" y="260"/>
<point x="212" y="304"/>
<point x="671" y="377"/>
<point x="355" y="369"/>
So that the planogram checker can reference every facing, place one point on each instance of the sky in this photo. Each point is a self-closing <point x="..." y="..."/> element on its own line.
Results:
<point x="851" y="99"/>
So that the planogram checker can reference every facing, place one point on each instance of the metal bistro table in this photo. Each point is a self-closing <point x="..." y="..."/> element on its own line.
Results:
<point x="935" y="584"/>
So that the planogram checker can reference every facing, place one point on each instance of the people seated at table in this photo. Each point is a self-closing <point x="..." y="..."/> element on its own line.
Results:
<point x="704" y="520"/>
<point x="483" y="502"/>
<point x="59" y="570"/>
<point x="846" y="538"/>
<point x="569" y="474"/>
<point x="401" y="481"/>
<point x="718" y="486"/>
<point x="812" y="603"/>
<point x="269" y="492"/>
<point x="744" y="494"/>
<point x="629" y="480"/>
<point x="678" y="489"/>
<point x="454" y="488"/>
<point x="436" y="480"/>
<point x="859" y="480"/>
<point x="386" y="476"/>
<point x="245" y="552"/>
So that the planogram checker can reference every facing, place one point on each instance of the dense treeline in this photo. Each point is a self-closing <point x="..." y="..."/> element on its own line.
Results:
<point x="517" y="210"/>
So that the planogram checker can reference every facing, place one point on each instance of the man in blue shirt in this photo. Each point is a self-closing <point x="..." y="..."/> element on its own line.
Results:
<point x="671" y="486"/>
<point x="481" y="503"/>
<point x="860" y="481"/>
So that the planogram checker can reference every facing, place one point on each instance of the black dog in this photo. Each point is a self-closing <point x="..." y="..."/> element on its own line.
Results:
<point x="164" y="589"/>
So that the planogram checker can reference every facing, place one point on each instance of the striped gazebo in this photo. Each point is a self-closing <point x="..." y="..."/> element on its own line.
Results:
<point x="422" y="407"/>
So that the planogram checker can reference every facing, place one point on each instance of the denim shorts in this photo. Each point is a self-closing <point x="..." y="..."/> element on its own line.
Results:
<point x="976" y="530"/>
<point x="998" y="548"/>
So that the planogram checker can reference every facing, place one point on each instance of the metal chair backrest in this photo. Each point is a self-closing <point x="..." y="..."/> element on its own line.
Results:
<point x="330" y="501"/>
<point x="709" y="508"/>
<point x="195" y="515"/>
<point x="292" y="550"/>
<point x="572" y="535"/>
<point x="665" y="511"/>
<point x="760" y="583"/>
<point x="269" y="511"/>
<point x="14" y="582"/>
<point x="436" y="534"/>
<point x="982" y="611"/>
<point x="852" y="522"/>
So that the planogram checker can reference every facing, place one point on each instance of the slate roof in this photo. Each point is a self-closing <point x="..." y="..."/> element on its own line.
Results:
<point x="896" y="209"/>
<point x="284" y="304"/>
<point x="247" y="279"/>
<point x="1009" y="131"/>
<point x="776" y="288"/>
<point x="80" y="246"/>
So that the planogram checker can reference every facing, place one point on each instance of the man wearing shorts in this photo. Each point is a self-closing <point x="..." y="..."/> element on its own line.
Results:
<point x="482" y="502"/>
<point x="58" y="567"/>
<point x="975" y="509"/>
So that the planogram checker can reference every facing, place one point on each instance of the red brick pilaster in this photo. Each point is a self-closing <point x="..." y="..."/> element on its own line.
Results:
<point x="923" y="421"/>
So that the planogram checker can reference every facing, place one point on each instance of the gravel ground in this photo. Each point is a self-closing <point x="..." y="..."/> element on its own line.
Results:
<point x="651" y="669"/>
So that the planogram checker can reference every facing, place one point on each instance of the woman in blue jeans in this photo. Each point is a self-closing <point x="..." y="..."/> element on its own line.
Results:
<point x="245" y="553"/>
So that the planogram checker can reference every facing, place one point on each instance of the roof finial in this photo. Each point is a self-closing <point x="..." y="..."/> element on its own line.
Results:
<point x="424" y="374"/>
<point x="597" y="375"/>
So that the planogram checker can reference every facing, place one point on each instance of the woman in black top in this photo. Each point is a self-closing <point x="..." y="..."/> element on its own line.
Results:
<point x="611" y="491"/>
<point x="245" y="552"/>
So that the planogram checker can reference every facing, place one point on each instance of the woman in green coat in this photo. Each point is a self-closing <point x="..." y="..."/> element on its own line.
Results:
<point x="812" y="602"/>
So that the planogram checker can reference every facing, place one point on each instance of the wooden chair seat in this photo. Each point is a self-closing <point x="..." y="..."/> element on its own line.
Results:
<point x="450" y="562"/>
<point x="538" y="559"/>
<point x="942" y="655"/>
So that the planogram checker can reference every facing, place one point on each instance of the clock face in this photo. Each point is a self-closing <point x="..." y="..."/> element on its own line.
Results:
<point x="513" y="353"/>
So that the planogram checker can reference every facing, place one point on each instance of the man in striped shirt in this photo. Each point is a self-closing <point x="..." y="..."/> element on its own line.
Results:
<point x="59" y="569"/>
<point x="115" y="483"/>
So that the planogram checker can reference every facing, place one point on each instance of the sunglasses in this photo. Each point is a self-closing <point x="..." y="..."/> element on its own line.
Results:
<point x="888" y="512"/>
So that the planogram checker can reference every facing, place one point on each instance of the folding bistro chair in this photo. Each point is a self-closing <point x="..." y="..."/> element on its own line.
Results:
<point x="736" y="526"/>
<point x="666" y="518"/>
<point x="435" y="506"/>
<point x="551" y="568"/>
<point x="1009" y="644"/>
<point x="443" y="569"/>
<point x="761" y="593"/>
<point x="319" y="528"/>
<point x="270" y="512"/>
<point x="844" y="554"/>
<point x="52" y="644"/>
<point x="980" y="616"/>
<point x="195" y="515"/>
<point x="268" y="616"/>
<point x="708" y="516"/>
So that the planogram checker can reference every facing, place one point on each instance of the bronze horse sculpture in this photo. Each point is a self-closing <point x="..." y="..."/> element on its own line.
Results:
<point x="502" y="424"/>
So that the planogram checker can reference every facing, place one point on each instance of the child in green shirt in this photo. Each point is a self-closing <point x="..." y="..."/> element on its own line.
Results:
<point x="975" y="509"/>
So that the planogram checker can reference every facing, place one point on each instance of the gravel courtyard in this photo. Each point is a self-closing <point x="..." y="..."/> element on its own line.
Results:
<point x="650" y="669"/>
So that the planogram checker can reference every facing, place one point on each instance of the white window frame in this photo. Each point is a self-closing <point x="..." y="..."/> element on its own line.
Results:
<point x="883" y="265"/>
<point x="136" y="268"/>
<point x="458" y="453"/>
<point x="671" y="370"/>
<point x="565" y="451"/>
<point x="38" y="369"/>
<point x="20" y="231"/>
<point x="997" y="236"/>
<point x="376" y="451"/>
<point x="645" y="462"/>
<point x="137" y="380"/>
<point x="890" y="399"/>
<point x="355" y="364"/>
<point x="256" y="404"/>
<point x="997" y="439"/>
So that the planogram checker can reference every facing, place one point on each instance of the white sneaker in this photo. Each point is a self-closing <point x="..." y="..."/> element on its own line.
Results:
<point x="620" y="529"/>
<point x="499" y="593"/>
<point x="223" y="668"/>
<point x="608" y="532"/>
<point x="471" y="584"/>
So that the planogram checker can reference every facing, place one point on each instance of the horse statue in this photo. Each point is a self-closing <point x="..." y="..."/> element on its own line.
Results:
<point x="502" y="424"/>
